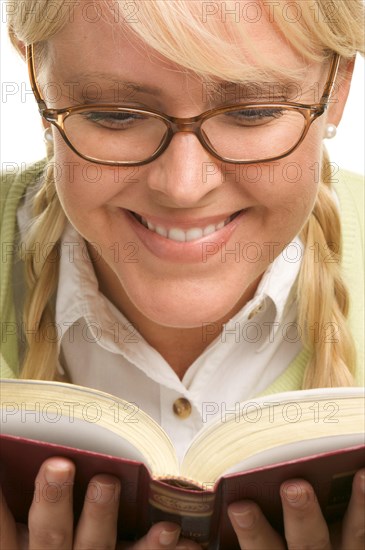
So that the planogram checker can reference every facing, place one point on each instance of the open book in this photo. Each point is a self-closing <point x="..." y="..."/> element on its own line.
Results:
<point x="316" y="434"/>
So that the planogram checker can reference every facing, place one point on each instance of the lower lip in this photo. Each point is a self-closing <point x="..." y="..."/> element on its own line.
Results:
<point x="199" y="250"/>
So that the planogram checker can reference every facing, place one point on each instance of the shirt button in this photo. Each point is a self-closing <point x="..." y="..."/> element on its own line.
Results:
<point x="182" y="407"/>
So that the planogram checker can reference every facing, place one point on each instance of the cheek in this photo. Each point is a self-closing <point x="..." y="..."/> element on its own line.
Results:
<point x="70" y="183"/>
<point x="83" y="188"/>
<point x="290" y="186"/>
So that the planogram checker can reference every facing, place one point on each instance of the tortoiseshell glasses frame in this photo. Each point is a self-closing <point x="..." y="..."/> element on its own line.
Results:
<point x="57" y="117"/>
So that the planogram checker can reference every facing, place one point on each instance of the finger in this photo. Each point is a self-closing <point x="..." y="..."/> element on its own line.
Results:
<point x="8" y="534"/>
<point x="353" y="530"/>
<point x="97" y="527"/>
<point x="51" y="514"/>
<point x="186" y="544"/>
<point x="163" y="536"/>
<point x="305" y="526"/>
<point x="252" y="528"/>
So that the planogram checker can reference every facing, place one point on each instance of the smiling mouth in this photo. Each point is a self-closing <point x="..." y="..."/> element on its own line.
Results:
<point x="182" y="235"/>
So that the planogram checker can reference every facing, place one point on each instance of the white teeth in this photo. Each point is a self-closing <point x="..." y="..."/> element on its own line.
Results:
<point x="177" y="234"/>
<point x="193" y="234"/>
<point x="161" y="231"/>
<point x="208" y="230"/>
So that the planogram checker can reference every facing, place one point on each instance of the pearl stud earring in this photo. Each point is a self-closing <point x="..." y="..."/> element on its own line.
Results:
<point x="330" y="131"/>
<point x="48" y="136"/>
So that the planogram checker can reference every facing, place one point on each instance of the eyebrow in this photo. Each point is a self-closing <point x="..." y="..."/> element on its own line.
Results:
<point x="275" y="90"/>
<point x="110" y="77"/>
<point x="113" y="79"/>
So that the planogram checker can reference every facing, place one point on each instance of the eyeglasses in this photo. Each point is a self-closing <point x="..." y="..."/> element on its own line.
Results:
<point x="240" y="134"/>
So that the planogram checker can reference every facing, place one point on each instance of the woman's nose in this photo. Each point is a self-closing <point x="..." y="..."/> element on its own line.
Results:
<point x="185" y="173"/>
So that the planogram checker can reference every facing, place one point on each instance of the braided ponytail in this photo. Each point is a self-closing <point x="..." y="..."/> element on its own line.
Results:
<point x="41" y="274"/>
<point x="323" y="299"/>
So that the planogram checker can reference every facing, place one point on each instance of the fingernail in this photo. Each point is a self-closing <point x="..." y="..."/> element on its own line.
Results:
<point x="57" y="472"/>
<point x="168" y="537"/>
<point x="295" y="495"/>
<point x="103" y="493"/>
<point x="244" y="519"/>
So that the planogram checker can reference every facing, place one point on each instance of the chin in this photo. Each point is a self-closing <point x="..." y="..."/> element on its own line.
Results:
<point x="183" y="320"/>
<point x="191" y="311"/>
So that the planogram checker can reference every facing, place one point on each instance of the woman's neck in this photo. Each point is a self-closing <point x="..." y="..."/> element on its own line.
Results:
<point x="180" y="347"/>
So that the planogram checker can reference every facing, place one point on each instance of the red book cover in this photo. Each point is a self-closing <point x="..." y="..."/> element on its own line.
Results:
<point x="201" y="513"/>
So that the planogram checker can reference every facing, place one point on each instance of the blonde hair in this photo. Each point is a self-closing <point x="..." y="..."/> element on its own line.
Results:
<point x="187" y="33"/>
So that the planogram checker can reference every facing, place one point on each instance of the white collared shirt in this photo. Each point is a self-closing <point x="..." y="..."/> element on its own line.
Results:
<point x="100" y="348"/>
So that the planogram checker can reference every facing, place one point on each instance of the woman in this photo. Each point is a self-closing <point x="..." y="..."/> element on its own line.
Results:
<point x="152" y="253"/>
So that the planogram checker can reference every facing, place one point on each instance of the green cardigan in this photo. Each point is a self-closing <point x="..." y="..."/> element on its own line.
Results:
<point x="350" y="192"/>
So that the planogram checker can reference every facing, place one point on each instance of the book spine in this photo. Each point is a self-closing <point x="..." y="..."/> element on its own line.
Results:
<point x="193" y="510"/>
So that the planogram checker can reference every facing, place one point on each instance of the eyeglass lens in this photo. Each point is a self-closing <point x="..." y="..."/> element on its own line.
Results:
<point x="246" y="134"/>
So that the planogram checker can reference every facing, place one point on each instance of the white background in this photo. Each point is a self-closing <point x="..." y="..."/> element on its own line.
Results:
<point x="22" y="136"/>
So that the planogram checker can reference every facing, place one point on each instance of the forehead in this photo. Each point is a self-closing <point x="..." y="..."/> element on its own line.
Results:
<point x="100" y="28"/>
<point x="98" y="40"/>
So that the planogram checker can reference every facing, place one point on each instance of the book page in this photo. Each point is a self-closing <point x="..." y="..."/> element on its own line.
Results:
<point x="71" y="432"/>
<point x="266" y="424"/>
<point x="296" y="450"/>
<point x="105" y="423"/>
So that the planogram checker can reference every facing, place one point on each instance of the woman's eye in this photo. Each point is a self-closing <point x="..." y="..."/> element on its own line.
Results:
<point x="115" y="120"/>
<point x="255" y="117"/>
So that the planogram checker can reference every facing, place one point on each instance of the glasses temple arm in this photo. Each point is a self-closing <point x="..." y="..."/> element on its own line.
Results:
<point x="33" y="82"/>
<point x="331" y="80"/>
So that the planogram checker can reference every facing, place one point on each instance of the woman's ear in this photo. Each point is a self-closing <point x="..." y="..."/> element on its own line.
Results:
<point x="18" y="44"/>
<point x="21" y="48"/>
<point x="341" y="91"/>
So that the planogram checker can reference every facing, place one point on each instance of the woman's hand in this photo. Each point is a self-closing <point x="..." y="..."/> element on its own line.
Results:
<point x="50" y="524"/>
<point x="304" y="524"/>
<point x="51" y="519"/>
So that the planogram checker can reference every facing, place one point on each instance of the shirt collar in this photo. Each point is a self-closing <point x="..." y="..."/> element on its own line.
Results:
<point x="276" y="285"/>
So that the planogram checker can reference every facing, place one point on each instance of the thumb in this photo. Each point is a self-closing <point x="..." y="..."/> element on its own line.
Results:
<point x="8" y="532"/>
